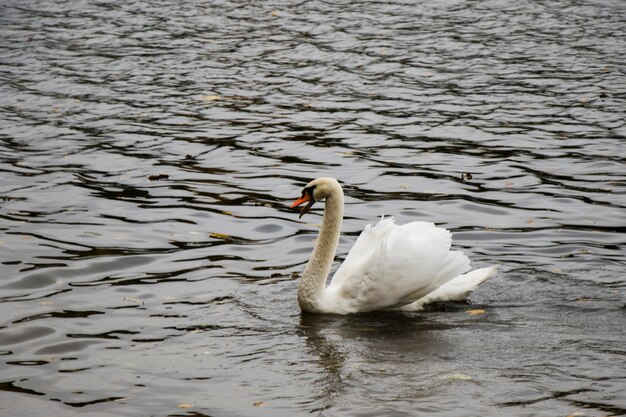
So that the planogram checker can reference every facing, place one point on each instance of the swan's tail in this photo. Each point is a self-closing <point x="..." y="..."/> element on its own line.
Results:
<point x="454" y="290"/>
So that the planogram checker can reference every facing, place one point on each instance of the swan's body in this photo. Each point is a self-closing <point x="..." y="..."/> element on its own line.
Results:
<point x="390" y="267"/>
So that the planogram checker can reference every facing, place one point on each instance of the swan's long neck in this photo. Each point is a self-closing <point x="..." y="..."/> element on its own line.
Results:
<point x="313" y="281"/>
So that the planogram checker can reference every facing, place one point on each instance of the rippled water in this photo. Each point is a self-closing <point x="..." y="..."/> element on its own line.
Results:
<point x="149" y="152"/>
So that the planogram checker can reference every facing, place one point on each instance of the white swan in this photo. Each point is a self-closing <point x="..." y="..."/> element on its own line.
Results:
<point x="390" y="267"/>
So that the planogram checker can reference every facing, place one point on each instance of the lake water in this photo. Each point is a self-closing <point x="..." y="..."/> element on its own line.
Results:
<point x="149" y="151"/>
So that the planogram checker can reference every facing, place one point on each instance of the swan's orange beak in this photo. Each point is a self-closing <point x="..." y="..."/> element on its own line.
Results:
<point x="301" y="200"/>
<point x="305" y="198"/>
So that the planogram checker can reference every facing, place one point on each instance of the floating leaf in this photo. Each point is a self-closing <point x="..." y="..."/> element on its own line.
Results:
<point x="274" y="13"/>
<point x="259" y="404"/>
<point x="122" y="399"/>
<point x="458" y="377"/>
<point x="222" y="236"/>
<point x="90" y="233"/>
<point x="185" y="405"/>
<point x="211" y="98"/>
<point x="476" y="312"/>
<point x="135" y="300"/>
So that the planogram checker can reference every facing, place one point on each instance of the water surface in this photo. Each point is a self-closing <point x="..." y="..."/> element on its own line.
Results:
<point x="149" y="152"/>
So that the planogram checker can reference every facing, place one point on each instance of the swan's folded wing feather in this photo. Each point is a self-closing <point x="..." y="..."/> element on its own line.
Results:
<point x="454" y="290"/>
<point x="362" y="250"/>
<point x="409" y="262"/>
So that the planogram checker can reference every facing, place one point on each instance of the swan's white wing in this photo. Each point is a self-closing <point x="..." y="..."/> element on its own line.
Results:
<point x="395" y="268"/>
<point x="366" y="244"/>
<point x="454" y="290"/>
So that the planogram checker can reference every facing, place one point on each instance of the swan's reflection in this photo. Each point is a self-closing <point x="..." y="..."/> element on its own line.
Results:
<point x="375" y="345"/>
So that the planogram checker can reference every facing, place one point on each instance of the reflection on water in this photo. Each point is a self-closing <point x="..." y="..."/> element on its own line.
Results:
<point x="361" y="349"/>
<point x="148" y="153"/>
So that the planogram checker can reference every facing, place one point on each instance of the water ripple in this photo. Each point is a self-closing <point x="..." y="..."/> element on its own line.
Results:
<point x="150" y="151"/>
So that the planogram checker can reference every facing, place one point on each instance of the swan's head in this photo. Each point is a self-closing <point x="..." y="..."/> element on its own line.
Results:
<point x="316" y="190"/>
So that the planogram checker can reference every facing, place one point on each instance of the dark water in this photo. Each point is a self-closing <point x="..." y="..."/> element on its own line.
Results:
<point x="122" y="295"/>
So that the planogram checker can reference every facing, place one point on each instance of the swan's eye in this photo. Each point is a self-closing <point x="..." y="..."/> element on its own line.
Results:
<point x="308" y="191"/>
